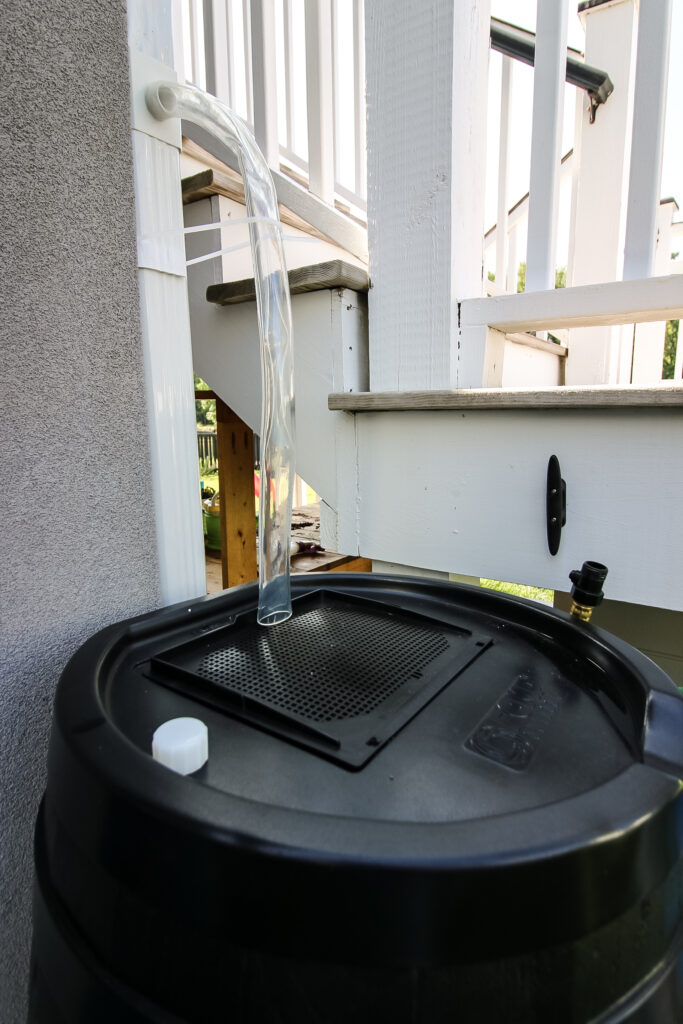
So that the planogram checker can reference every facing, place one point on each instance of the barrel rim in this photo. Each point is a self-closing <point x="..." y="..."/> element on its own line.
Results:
<point x="101" y="787"/>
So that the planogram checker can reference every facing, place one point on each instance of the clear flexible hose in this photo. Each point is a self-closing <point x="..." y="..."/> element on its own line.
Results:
<point x="166" y="99"/>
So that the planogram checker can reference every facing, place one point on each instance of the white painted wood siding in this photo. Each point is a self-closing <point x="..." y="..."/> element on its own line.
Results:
<point x="465" y="492"/>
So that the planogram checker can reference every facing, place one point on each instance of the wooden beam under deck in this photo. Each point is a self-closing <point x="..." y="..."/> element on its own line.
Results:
<point x="235" y="443"/>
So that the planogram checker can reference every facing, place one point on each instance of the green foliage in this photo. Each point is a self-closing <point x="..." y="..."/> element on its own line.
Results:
<point x="205" y="411"/>
<point x="669" y="363"/>
<point x="520" y="590"/>
<point x="492" y="276"/>
<point x="207" y="468"/>
<point x="560" y="277"/>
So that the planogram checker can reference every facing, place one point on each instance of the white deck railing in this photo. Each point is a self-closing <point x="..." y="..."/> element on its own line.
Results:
<point x="294" y="70"/>
<point x="618" y="230"/>
<point x="536" y="213"/>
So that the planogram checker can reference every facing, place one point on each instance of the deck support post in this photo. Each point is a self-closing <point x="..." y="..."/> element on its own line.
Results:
<point x="235" y="442"/>
<point x="426" y="69"/>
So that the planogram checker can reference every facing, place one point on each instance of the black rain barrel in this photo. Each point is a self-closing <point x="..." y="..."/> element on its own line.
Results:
<point x="423" y="803"/>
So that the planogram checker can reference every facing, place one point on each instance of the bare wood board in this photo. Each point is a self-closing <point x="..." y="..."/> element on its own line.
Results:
<point x="235" y="443"/>
<point x="597" y="396"/>
<point x="225" y="182"/>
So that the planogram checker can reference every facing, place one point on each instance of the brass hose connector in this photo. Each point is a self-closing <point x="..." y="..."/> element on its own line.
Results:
<point x="587" y="590"/>
<point x="581" y="611"/>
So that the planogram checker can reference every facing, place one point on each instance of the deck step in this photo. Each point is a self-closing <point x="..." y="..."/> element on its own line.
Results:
<point x="599" y="396"/>
<point x="227" y="183"/>
<point x="297" y="206"/>
<point x="315" y="278"/>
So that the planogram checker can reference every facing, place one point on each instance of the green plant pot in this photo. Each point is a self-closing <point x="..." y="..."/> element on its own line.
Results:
<point x="212" y="531"/>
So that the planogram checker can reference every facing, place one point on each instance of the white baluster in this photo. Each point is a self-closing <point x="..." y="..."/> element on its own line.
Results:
<point x="248" y="67"/>
<point x="230" y="52"/>
<point x="336" y="89"/>
<point x="289" y="60"/>
<point x="216" y="54"/>
<point x="652" y="70"/>
<point x="546" y="139"/>
<point x="319" y="94"/>
<point x="359" y="97"/>
<point x="178" y="43"/>
<point x="503" y="156"/>
<point x="264" y="80"/>
<point x="197" y="43"/>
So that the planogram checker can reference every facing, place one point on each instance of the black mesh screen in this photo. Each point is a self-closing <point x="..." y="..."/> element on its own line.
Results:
<point x="341" y="677"/>
<point x="326" y="663"/>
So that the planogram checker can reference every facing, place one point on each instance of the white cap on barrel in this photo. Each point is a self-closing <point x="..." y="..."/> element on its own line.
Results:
<point x="181" y="744"/>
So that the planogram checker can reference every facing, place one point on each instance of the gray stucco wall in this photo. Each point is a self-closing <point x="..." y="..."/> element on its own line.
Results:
<point x="77" y="540"/>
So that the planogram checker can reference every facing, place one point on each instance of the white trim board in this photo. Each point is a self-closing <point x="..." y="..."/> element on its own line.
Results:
<point x="615" y="302"/>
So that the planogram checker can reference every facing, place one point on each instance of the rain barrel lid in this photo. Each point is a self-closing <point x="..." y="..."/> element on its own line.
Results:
<point x="400" y="732"/>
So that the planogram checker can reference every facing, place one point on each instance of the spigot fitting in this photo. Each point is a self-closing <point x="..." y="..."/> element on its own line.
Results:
<point x="587" y="590"/>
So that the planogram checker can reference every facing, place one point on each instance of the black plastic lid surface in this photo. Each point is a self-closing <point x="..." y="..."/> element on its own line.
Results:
<point x="548" y="761"/>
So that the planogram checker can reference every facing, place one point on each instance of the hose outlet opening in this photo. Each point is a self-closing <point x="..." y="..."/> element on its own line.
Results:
<point x="161" y="101"/>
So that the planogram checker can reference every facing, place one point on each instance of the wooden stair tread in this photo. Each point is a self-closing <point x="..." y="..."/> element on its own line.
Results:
<point x="225" y="182"/>
<point x="206" y="183"/>
<point x="333" y="274"/>
<point x="599" y="396"/>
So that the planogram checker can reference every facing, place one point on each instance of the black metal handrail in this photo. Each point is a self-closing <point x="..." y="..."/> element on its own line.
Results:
<point x="520" y="44"/>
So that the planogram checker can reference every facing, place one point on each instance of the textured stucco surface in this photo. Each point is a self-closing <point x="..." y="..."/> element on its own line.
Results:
<point x="77" y="540"/>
